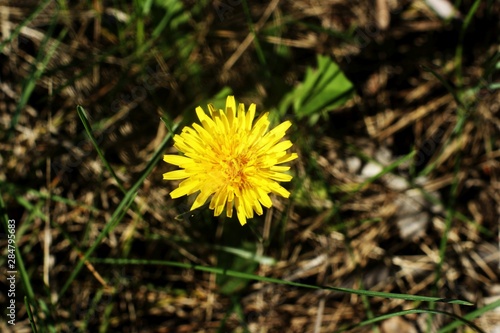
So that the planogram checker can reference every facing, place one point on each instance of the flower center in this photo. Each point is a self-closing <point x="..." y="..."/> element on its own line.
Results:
<point x="233" y="170"/>
<point x="233" y="164"/>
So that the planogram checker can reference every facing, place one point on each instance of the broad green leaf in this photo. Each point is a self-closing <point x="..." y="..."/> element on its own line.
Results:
<point x="323" y="89"/>
<point x="232" y="237"/>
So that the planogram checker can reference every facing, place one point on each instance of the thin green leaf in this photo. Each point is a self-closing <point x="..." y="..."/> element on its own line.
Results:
<point x="462" y="320"/>
<point x="263" y="260"/>
<point x="48" y="313"/>
<point x="216" y="270"/>
<point x="460" y="45"/>
<point x="445" y="83"/>
<point x="38" y="68"/>
<point x="255" y="41"/>
<point x="30" y="315"/>
<point x="24" y="23"/>
<point x="113" y="222"/>
<point x="470" y="316"/>
<point x="168" y="123"/>
<point x="19" y="259"/>
<point x="88" y="128"/>
<point x="15" y="189"/>
<point x="119" y="212"/>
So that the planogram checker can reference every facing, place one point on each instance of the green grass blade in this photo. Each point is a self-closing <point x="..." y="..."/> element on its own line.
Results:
<point x="460" y="47"/>
<point x="30" y="315"/>
<point x="461" y="320"/>
<point x="15" y="190"/>
<point x="388" y="169"/>
<point x="242" y="253"/>
<point x="49" y="324"/>
<point x="24" y="23"/>
<point x="258" y="48"/>
<point x="168" y="123"/>
<point x="36" y="212"/>
<point x="19" y="259"/>
<point x="38" y="69"/>
<point x="88" y="128"/>
<point x="104" y="327"/>
<point x="91" y="311"/>
<point x="445" y="83"/>
<point x="254" y="277"/>
<point x="470" y="316"/>
<point x="113" y="222"/>
<point x="119" y="212"/>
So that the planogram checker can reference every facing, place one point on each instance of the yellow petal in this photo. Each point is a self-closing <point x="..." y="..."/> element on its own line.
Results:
<point x="279" y="168"/>
<point x="280" y="130"/>
<point x="264" y="198"/>
<point x="177" y="160"/>
<point x="205" y="120"/>
<point x="240" y="211"/>
<point x="229" y="208"/>
<point x="282" y="146"/>
<point x="241" y="117"/>
<point x="218" y="201"/>
<point x="258" y="131"/>
<point x="175" y="175"/>
<point x="202" y="116"/>
<point x="250" y="115"/>
<point x="186" y="187"/>
<point x="230" y="109"/>
<point x="247" y="203"/>
<point x="200" y="200"/>
<point x="287" y="158"/>
<point x="280" y="190"/>
<point x="280" y="177"/>
<point x="203" y="133"/>
<point x="257" y="207"/>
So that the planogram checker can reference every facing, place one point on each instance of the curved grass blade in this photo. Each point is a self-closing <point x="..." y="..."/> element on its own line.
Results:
<point x="19" y="190"/>
<point x="24" y="23"/>
<point x="113" y="222"/>
<point x="460" y="47"/>
<point x="30" y="315"/>
<point x="88" y="128"/>
<point x="119" y="212"/>
<point x="254" y="277"/>
<point x="38" y="68"/>
<point x="413" y="311"/>
<point x="19" y="259"/>
<point x="470" y="316"/>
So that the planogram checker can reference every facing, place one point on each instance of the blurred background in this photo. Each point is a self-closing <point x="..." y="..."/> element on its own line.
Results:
<point x="395" y="109"/>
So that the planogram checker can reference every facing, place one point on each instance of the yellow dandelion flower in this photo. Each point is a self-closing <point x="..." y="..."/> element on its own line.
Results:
<point x="232" y="160"/>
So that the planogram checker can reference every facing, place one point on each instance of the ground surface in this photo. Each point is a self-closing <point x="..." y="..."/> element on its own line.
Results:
<point x="396" y="190"/>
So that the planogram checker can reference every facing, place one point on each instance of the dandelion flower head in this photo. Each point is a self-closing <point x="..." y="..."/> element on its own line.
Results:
<point x="231" y="160"/>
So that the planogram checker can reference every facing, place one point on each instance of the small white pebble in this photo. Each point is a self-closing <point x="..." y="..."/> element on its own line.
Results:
<point x="371" y="169"/>
<point x="443" y="8"/>
<point x="353" y="164"/>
